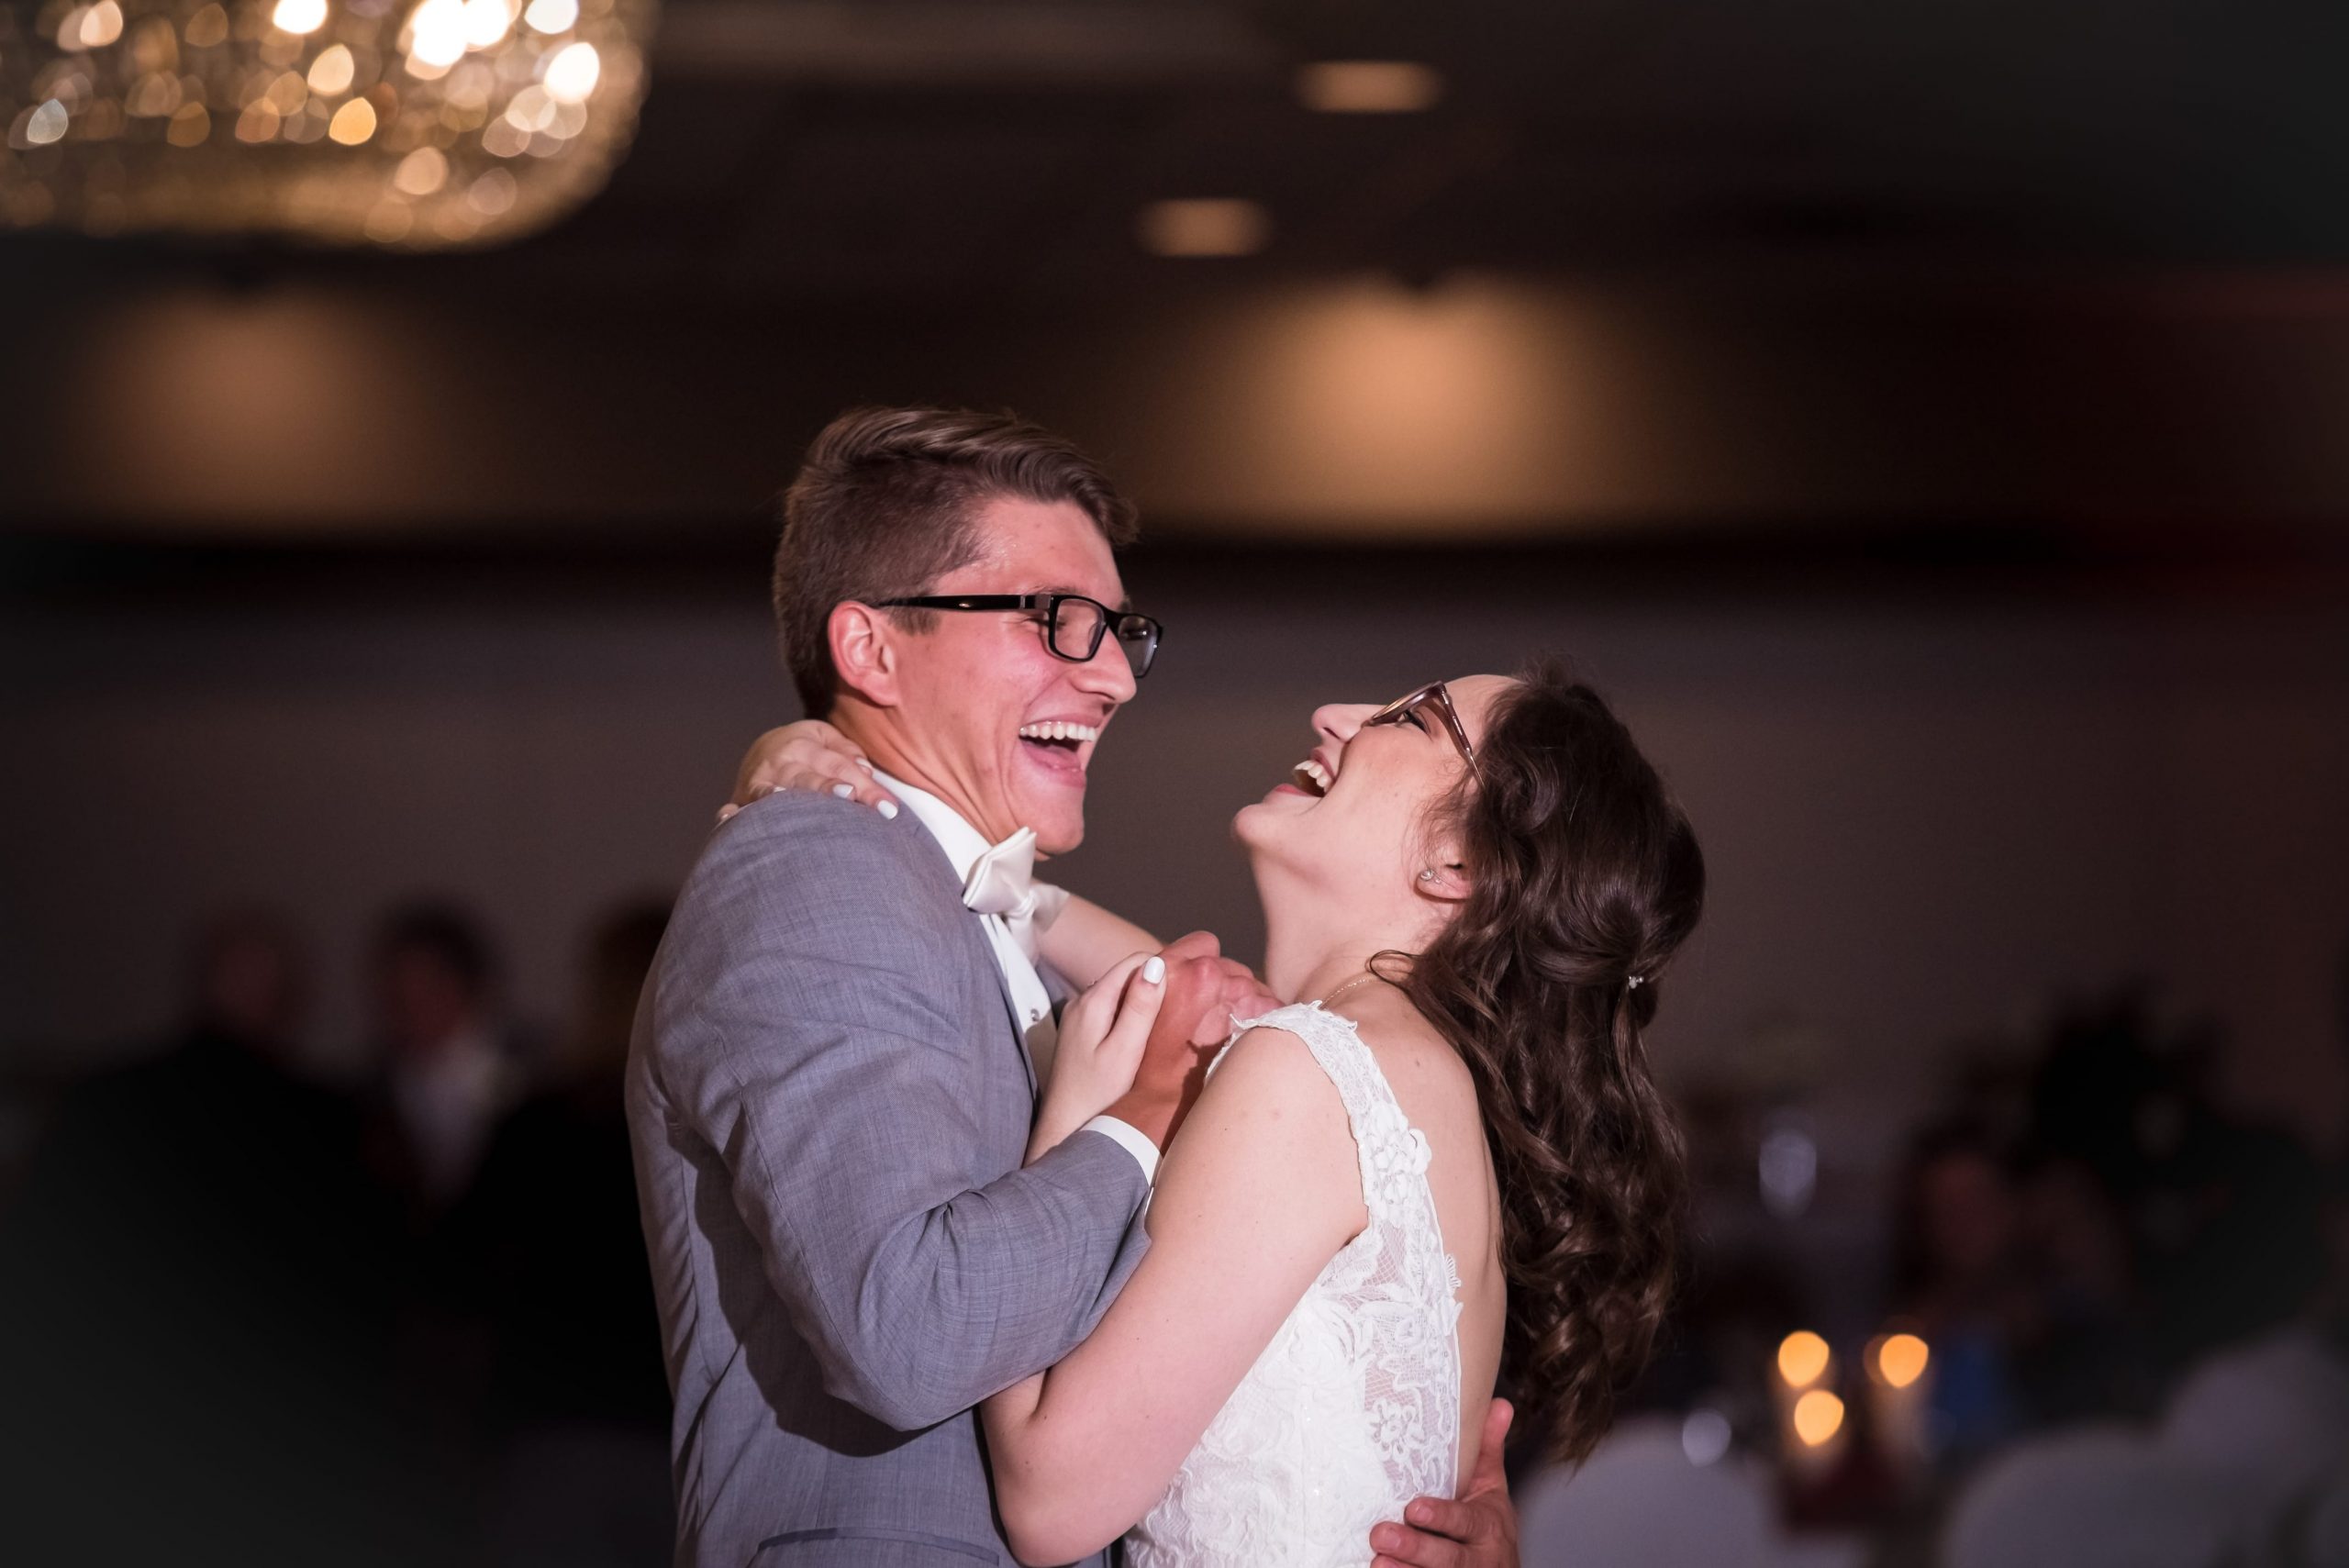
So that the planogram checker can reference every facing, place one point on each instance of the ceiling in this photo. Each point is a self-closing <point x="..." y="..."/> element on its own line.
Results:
<point x="1755" y="265"/>
<point x="927" y="149"/>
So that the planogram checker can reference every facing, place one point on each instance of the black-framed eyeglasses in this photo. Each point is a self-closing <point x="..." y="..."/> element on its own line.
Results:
<point x="1434" y="697"/>
<point x="1073" y="625"/>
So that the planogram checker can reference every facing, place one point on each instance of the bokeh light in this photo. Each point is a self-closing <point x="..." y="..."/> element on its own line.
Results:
<point x="1899" y="1360"/>
<point x="342" y="121"/>
<point x="572" y="73"/>
<point x="1705" y="1435"/>
<point x="1204" y="227"/>
<point x="1803" y="1358"/>
<point x="1818" y="1415"/>
<point x="1369" y="87"/>
<point x="299" y="16"/>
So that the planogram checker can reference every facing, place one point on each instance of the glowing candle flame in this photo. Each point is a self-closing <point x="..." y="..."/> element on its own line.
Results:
<point x="1818" y="1415"/>
<point x="1802" y="1357"/>
<point x="1900" y="1359"/>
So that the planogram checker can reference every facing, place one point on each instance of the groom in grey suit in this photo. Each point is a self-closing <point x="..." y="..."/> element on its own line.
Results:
<point x="834" y="1074"/>
<point x="836" y="1059"/>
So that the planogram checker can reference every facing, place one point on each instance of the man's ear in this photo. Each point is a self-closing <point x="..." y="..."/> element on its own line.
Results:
<point x="864" y="652"/>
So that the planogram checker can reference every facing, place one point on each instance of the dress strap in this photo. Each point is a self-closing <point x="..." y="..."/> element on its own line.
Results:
<point x="1393" y="1152"/>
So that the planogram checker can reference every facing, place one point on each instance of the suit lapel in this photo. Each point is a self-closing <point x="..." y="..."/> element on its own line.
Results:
<point x="1010" y="1009"/>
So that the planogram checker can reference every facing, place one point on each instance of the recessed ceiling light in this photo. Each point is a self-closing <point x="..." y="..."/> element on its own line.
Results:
<point x="1369" y="86"/>
<point x="1220" y="227"/>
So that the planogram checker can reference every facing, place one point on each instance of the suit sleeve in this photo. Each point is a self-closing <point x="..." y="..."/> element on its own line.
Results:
<point x="806" y="1029"/>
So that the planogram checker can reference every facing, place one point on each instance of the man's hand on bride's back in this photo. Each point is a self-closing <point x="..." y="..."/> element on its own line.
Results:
<point x="1478" y="1529"/>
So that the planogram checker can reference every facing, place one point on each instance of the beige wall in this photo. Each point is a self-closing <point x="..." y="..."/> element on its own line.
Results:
<point x="1923" y="821"/>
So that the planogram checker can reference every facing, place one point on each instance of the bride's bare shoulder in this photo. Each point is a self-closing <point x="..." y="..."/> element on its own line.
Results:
<point x="1268" y="1059"/>
<point x="1269" y="1118"/>
<point x="1418" y="1063"/>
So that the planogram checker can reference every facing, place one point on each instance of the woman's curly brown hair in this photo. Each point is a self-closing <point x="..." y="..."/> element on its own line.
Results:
<point x="1584" y="876"/>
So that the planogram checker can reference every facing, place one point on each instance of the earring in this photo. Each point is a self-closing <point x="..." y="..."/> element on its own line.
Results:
<point x="1427" y="876"/>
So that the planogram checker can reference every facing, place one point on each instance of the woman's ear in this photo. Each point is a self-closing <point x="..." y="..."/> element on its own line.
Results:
<point x="864" y="652"/>
<point x="1443" y="877"/>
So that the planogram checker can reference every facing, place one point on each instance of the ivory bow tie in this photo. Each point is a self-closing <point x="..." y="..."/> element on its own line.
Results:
<point x="1003" y="881"/>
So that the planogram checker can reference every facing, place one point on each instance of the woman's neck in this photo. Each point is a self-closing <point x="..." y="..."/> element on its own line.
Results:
<point x="1305" y="961"/>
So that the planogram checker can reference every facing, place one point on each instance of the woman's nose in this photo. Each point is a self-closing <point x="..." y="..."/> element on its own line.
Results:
<point x="1338" y="720"/>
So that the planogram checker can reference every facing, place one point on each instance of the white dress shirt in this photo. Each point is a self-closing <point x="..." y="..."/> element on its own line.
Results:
<point x="964" y="845"/>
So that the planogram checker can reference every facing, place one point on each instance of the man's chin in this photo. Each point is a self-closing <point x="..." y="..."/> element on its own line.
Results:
<point x="1052" y="799"/>
<point x="1059" y="824"/>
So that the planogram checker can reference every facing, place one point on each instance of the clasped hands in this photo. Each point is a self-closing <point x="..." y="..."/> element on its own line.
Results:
<point x="1136" y="1043"/>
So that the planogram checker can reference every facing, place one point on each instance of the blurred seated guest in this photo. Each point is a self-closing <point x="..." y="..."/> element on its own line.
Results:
<point x="447" y="1066"/>
<point x="2247" y="1255"/>
<point x="191" y="1313"/>
<point x="2222" y="1215"/>
<point x="2087" y="1354"/>
<point x="1959" y="1276"/>
<point x="248" y="987"/>
<point x="228" y="1164"/>
<point x="551" y="1237"/>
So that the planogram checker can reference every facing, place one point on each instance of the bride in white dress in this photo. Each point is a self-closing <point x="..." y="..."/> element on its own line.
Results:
<point x="1448" y="1167"/>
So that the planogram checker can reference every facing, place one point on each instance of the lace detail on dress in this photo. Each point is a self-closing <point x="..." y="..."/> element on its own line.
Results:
<point x="1353" y="1409"/>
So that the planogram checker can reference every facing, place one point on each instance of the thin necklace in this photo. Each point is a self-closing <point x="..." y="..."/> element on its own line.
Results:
<point x="1363" y="979"/>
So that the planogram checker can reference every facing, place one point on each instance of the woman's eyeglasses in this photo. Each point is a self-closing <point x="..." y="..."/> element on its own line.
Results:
<point x="1073" y="625"/>
<point x="1434" y="697"/>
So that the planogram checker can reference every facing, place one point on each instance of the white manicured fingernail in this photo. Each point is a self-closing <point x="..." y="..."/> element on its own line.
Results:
<point x="1153" y="969"/>
<point x="888" y="809"/>
<point x="866" y="765"/>
<point x="843" y="790"/>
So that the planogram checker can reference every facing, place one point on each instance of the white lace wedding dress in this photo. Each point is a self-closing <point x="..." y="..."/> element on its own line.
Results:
<point x="1353" y="1409"/>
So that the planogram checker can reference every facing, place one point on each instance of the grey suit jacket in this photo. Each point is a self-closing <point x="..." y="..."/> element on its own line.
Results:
<point x="829" y="1103"/>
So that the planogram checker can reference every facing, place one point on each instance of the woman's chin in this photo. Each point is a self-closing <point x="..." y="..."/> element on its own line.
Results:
<point x="1266" y="836"/>
<point x="1252" y="824"/>
<point x="1283" y="800"/>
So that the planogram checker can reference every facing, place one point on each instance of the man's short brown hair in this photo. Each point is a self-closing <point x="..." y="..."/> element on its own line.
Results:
<point x="887" y="503"/>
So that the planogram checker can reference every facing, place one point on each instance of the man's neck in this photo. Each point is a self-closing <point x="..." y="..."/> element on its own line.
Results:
<point x="892" y="751"/>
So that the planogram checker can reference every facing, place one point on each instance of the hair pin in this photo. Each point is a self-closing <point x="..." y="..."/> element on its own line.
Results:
<point x="1638" y="981"/>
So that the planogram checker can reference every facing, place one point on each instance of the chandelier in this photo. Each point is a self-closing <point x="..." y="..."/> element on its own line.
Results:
<point x="412" y="124"/>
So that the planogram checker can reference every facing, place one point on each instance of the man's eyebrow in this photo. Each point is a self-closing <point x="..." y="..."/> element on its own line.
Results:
<point x="1121" y="606"/>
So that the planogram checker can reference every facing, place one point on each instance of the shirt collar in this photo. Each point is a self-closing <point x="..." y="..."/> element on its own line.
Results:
<point x="963" y="844"/>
